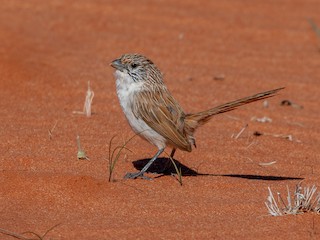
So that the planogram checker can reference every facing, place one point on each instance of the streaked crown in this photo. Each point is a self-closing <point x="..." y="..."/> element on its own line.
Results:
<point x="138" y="67"/>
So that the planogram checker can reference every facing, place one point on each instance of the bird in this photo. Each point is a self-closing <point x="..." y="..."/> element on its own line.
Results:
<point x="154" y="114"/>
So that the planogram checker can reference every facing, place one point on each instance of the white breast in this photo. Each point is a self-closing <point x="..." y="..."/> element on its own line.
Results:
<point x="126" y="88"/>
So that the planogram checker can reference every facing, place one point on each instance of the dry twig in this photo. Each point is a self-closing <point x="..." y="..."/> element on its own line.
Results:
<point x="241" y="131"/>
<point x="50" y="131"/>
<point x="20" y="236"/>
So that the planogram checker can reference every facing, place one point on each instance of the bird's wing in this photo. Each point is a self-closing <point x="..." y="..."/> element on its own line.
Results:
<point x="163" y="114"/>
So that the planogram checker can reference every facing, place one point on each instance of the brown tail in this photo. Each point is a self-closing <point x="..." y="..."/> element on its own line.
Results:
<point x="195" y="120"/>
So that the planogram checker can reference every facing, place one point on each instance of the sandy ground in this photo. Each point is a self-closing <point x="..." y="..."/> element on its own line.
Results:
<point x="210" y="52"/>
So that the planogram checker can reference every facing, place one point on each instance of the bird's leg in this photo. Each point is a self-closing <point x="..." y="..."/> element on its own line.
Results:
<point x="145" y="168"/>
<point x="168" y="162"/>
<point x="172" y="152"/>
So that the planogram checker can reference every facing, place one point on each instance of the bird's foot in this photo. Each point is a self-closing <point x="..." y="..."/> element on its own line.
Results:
<point x="136" y="175"/>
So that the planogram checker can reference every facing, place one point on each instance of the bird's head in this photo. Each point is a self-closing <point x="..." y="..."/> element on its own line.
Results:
<point x="138" y="67"/>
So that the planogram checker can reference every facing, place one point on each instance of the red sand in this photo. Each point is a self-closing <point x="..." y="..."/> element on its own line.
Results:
<point x="50" y="49"/>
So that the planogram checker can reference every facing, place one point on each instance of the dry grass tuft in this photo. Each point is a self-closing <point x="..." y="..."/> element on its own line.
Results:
<point x="303" y="200"/>
<point x="87" y="102"/>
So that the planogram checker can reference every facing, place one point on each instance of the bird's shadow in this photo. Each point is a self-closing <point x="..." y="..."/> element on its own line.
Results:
<point x="164" y="166"/>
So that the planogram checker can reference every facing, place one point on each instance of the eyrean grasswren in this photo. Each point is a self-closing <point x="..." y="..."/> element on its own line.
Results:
<point x="154" y="114"/>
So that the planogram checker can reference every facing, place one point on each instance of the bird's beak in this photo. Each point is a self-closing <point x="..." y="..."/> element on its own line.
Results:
<point x="117" y="64"/>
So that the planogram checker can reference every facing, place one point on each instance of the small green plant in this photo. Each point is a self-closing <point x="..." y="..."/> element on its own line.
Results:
<point x="178" y="170"/>
<point x="81" y="155"/>
<point x="114" y="154"/>
<point x="303" y="200"/>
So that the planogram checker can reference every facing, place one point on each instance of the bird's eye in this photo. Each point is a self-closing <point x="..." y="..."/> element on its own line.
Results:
<point x="134" y="65"/>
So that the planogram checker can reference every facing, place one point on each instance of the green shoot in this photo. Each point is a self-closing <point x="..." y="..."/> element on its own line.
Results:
<point x="81" y="155"/>
<point x="178" y="170"/>
<point x="114" y="154"/>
